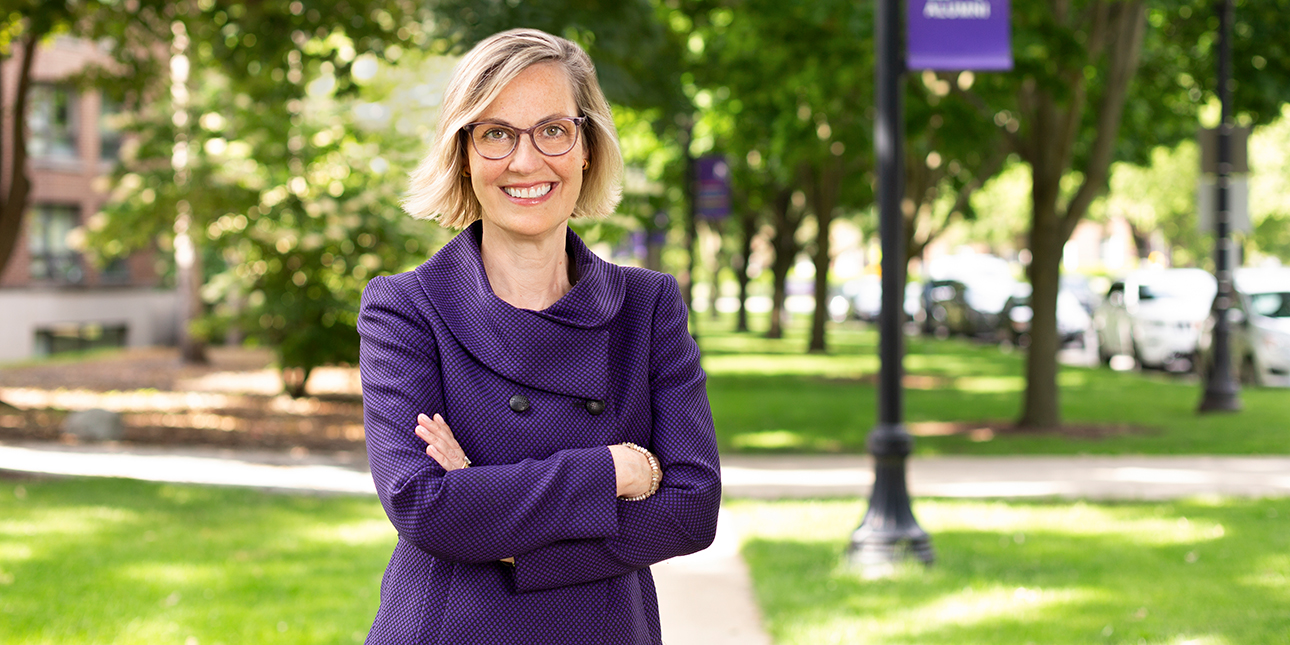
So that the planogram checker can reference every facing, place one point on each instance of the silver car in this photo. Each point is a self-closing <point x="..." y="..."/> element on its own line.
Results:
<point x="1155" y="316"/>
<point x="1260" y="328"/>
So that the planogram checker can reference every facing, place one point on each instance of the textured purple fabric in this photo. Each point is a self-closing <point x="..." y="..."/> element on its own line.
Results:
<point x="541" y="487"/>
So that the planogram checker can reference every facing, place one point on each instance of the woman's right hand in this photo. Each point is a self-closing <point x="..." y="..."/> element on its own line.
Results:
<point x="632" y="471"/>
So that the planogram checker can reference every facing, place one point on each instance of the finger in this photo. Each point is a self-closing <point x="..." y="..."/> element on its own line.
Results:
<point x="426" y="422"/>
<point x="424" y="434"/>
<point x="435" y="454"/>
<point x="438" y="420"/>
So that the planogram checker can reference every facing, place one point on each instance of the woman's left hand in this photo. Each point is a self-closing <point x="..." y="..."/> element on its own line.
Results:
<point x="440" y="444"/>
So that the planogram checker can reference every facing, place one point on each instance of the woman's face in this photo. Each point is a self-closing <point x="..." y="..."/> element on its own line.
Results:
<point x="528" y="193"/>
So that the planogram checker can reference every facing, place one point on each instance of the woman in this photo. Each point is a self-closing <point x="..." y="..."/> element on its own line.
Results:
<point x="536" y="418"/>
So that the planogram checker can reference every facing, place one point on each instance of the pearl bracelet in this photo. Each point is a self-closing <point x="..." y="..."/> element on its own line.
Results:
<point x="655" y="472"/>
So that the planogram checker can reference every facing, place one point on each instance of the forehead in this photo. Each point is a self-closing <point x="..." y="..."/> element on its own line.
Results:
<point x="540" y="91"/>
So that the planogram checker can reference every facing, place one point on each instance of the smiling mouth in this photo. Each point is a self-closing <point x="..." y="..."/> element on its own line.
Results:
<point x="531" y="192"/>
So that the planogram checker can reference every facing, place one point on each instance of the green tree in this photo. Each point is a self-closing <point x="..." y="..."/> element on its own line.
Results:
<point x="254" y="158"/>
<point x="1270" y="191"/>
<point x="1084" y="70"/>
<point x="783" y="90"/>
<point x="24" y="24"/>
<point x="1161" y="196"/>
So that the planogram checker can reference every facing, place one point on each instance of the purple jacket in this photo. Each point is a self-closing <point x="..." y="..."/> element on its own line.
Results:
<point x="611" y="361"/>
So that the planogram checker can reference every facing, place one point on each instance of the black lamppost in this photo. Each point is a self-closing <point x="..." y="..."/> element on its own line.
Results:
<point x="889" y="533"/>
<point x="1221" y="391"/>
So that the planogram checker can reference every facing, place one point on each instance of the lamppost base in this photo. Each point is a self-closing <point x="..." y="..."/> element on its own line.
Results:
<point x="889" y="535"/>
<point x="882" y="555"/>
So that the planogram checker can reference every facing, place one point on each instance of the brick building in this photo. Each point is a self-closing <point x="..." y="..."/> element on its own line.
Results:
<point x="53" y="298"/>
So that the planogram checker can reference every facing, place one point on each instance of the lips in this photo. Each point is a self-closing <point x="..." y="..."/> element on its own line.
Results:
<point x="529" y="192"/>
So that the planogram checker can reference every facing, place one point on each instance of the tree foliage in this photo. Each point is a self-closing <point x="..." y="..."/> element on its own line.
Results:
<point x="261" y="155"/>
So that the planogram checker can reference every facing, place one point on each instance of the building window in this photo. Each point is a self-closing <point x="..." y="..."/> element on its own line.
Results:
<point x="52" y="121"/>
<point x="78" y="337"/>
<point x="110" y="117"/>
<point x="117" y="271"/>
<point x="52" y="258"/>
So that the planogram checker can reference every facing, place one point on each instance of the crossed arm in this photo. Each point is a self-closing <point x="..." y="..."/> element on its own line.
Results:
<point x="632" y="472"/>
<point x="558" y="517"/>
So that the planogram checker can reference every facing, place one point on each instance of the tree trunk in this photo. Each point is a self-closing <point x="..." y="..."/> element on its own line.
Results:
<point x="785" y="244"/>
<point x="19" y="185"/>
<point x="719" y="259"/>
<point x="1048" y="148"/>
<point x="748" y="226"/>
<point x="824" y="184"/>
<point x="295" y="380"/>
<point x="188" y="285"/>
<point x="1041" y="408"/>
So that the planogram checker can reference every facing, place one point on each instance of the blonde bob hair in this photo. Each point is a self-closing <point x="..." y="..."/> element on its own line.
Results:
<point x="439" y="189"/>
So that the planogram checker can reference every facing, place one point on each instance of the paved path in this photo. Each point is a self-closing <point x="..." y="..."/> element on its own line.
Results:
<point x="706" y="598"/>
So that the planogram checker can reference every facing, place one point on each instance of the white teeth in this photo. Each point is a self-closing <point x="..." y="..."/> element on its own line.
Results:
<point x="530" y="192"/>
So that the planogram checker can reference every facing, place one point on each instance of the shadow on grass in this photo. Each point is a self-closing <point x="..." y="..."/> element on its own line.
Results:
<point x="102" y="560"/>
<point x="1165" y="573"/>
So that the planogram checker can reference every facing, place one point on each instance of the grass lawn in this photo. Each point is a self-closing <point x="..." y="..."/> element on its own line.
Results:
<point x="1197" y="572"/>
<point x="769" y="395"/>
<point x="126" y="562"/>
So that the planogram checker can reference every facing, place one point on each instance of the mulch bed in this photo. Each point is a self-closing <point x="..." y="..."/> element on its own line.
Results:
<point x="235" y="401"/>
<point x="987" y="430"/>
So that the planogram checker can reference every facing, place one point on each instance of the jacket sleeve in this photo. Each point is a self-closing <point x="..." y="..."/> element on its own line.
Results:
<point x="477" y="514"/>
<point x="681" y="517"/>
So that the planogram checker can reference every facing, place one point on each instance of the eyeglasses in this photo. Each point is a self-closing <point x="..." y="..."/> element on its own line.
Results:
<point x="551" y="138"/>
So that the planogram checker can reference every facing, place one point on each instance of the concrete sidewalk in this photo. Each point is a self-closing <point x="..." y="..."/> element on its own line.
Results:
<point x="706" y="598"/>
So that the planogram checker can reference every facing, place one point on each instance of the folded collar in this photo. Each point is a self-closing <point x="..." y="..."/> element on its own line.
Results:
<point x="562" y="349"/>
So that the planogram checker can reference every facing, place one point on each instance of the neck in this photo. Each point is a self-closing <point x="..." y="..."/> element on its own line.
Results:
<point x="526" y="273"/>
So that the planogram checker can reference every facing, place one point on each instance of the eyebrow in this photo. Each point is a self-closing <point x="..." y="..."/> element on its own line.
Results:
<point x="544" y="119"/>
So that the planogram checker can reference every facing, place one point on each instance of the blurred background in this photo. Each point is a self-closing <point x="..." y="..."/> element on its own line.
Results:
<point x="193" y="195"/>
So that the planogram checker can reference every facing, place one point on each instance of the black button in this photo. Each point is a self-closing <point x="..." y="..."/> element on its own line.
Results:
<point x="519" y="403"/>
<point x="595" y="407"/>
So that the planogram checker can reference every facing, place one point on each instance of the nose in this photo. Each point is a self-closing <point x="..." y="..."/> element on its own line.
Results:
<point x="526" y="157"/>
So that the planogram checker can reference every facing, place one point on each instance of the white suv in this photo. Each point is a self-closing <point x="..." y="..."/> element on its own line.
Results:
<point x="1260" y="327"/>
<point x="1155" y="316"/>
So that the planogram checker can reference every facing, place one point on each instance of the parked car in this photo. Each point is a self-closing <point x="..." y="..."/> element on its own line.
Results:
<point x="1080" y="287"/>
<point x="1155" y="316"/>
<point x="937" y="299"/>
<point x="966" y="295"/>
<point x="1260" y="328"/>
<point x="862" y="298"/>
<point x="1073" y="322"/>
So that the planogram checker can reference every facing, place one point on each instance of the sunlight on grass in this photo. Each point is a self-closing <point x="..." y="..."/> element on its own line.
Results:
<point x="158" y="573"/>
<point x="758" y="385"/>
<point x="990" y="383"/>
<point x="1018" y="572"/>
<point x="14" y="551"/>
<point x="791" y="364"/>
<point x="947" y="364"/>
<point x="1272" y="574"/>
<point x="126" y="562"/>
<point x="784" y="440"/>
<point x="66" y="521"/>
<point x="966" y="609"/>
<point x="374" y="531"/>
<point x="1077" y="519"/>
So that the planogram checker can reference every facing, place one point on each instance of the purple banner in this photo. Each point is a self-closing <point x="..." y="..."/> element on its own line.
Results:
<point x="712" y="187"/>
<point x="952" y="35"/>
